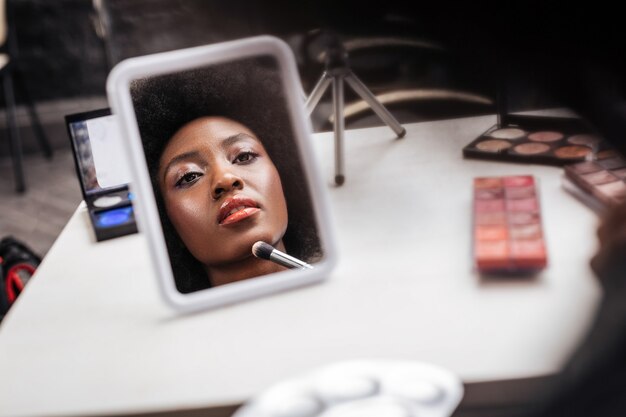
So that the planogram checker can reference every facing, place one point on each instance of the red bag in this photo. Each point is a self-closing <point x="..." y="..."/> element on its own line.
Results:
<point x="17" y="265"/>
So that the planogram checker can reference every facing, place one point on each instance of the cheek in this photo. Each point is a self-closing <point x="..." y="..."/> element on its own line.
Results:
<point x="276" y="199"/>
<point x="188" y="215"/>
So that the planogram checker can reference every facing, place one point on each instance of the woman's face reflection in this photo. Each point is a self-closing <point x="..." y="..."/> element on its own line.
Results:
<point x="221" y="191"/>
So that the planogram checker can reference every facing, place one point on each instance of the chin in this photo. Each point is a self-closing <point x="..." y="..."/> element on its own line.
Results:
<point x="267" y="236"/>
<point x="264" y="228"/>
<point x="241" y="247"/>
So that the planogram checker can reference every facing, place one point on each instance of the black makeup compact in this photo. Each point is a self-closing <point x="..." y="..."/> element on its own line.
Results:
<point x="536" y="139"/>
<point x="102" y="171"/>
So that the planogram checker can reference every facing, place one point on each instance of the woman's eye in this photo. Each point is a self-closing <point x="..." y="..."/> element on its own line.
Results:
<point x="245" y="157"/>
<point x="188" y="179"/>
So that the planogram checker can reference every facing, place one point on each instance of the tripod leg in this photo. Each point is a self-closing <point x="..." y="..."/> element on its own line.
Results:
<point x="376" y="105"/>
<point x="338" y="127"/>
<point x="317" y="93"/>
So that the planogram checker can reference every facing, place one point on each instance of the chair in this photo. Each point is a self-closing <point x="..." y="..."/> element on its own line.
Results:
<point x="10" y="74"/>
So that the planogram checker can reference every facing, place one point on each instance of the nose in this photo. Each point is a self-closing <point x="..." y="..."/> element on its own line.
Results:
<point x="224" y="182"/>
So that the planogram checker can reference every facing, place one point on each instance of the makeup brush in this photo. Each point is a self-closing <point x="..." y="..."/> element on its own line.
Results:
<point x="266" y="251"/>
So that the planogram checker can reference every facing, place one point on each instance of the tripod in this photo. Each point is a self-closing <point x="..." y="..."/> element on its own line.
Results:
<point x="335" y="72"/>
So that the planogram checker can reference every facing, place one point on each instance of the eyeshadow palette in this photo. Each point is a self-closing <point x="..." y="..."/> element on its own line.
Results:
<point x="600" y="183"/>
<point x="541" y="140"/>
<point x="96" y="139"/>
<point x="508" y="235"/>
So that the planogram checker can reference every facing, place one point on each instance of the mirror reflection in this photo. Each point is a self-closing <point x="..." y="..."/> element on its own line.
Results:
<point x="226" y="171"/>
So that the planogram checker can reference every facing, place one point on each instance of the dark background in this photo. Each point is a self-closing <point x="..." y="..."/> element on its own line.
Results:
<point x="546" y="54"/>
<point x="62" y="55"/>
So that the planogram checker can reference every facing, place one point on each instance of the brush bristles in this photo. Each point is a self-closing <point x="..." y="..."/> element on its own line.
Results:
<point x="262" y="250"/>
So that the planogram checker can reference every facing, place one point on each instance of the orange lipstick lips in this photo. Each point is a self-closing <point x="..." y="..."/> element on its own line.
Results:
<point x="236" y="209"/>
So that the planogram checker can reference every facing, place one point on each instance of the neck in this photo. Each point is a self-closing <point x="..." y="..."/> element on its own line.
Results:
<point x="249" y="267"/>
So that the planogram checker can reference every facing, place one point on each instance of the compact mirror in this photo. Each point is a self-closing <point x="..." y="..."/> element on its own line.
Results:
<point x="219" y="150"/>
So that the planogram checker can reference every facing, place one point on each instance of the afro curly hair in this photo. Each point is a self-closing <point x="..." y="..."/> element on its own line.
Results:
<point x="249" y="91"/>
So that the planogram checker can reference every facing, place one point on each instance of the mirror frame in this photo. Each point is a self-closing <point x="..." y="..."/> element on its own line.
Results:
<point x="118" y="91"/>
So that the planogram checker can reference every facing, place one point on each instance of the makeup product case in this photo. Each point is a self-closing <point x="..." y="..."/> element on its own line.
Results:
<point x="537" y="139"/>
<point x="95" y="139"/>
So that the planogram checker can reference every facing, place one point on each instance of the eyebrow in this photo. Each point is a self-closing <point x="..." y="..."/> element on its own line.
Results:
<point x="231" y="140"/>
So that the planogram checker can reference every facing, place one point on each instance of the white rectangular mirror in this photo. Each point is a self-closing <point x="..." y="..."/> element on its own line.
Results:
<point x="221" y="159"/>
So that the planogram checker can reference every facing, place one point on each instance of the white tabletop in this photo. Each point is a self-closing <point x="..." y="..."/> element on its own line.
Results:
<point x="90" y="334"/>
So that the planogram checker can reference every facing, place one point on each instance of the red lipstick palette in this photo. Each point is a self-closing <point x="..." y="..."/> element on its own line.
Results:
<point x="508" y="235"/>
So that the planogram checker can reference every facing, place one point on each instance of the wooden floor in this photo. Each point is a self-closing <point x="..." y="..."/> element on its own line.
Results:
<point x="37" y="216"/>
